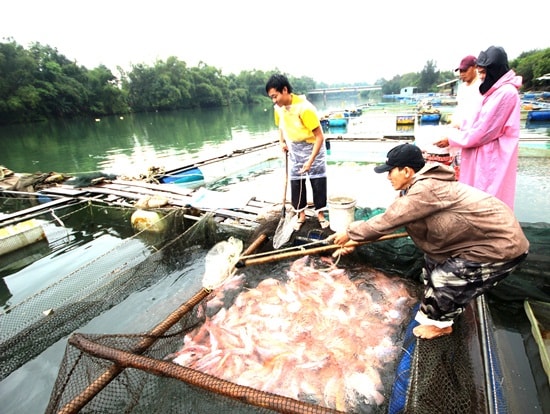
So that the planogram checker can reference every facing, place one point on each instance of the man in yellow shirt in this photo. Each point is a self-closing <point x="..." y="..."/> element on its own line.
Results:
<point x="302" y="137"/>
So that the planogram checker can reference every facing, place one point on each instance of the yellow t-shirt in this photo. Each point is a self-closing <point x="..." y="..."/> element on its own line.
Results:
<point x="298" y="120"/>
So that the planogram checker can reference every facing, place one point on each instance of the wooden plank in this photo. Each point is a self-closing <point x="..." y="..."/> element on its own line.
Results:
<point x="170" y="188"/>
<point x="65" y="191"/>
<point x="173" y="201"/>
<point x="6" y="219"/>
<point x="235" y="214"/>
<point x="137" y="192"/>
<point x="222" y="157"/>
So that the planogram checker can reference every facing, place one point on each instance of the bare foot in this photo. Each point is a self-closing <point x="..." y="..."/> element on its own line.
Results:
<point x="431" y="331"/>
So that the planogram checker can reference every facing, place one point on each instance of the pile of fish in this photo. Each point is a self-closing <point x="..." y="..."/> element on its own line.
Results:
<point x="318" y="336"/>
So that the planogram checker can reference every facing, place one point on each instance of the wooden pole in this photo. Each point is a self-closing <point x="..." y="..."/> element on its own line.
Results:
<point x="313" y="250"/>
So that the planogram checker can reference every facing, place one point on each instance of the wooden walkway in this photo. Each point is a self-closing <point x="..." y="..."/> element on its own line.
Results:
<point x="127" y="193"/>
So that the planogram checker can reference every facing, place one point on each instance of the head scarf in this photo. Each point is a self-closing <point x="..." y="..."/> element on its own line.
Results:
<point x="495" y="62"/>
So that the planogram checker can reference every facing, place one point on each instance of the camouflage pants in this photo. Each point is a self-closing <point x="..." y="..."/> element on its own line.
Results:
<point x="451" y="285"/>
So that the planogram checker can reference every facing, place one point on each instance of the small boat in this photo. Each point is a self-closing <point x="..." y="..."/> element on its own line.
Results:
<point x="427" y="113"/>
<point x="338" y="119"/>
<point x="538" y="115"/>
<point x="355" y="112"/>
<point x="433" y="117"/>
<point x="404" y="120"/>
<point x="218" y="166"/>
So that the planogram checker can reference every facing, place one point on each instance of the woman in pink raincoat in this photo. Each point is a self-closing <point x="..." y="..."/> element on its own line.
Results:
<point x="489" y="147"/>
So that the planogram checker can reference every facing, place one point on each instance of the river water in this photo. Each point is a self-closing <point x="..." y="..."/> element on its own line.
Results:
<point x="129" y="145"/>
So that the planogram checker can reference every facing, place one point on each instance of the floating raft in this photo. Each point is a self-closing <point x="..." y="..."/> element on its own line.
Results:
<point x="240" y="213"/>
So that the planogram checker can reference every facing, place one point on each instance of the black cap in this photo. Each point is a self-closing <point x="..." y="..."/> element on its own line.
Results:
<point x="404" y="155"/>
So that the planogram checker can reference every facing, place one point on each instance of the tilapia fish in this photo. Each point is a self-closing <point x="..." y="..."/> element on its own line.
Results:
<point x="318" y="337"/>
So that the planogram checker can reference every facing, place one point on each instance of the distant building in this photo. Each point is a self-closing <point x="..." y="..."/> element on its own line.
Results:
<point x="449" y="87"/>
<point x="408" y="91"/>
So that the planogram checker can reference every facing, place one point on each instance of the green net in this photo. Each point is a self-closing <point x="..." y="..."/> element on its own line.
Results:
<point x="136" y="372"/>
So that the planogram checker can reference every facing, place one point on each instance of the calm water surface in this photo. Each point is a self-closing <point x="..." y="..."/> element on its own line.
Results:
<point x="130" y="144"/>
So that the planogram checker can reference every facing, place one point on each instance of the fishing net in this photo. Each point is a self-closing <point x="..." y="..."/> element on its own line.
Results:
<point x="530" y="280"/>
<point x="457" y="373"/>
<point x="71" y="296"/>
<point x="142" y="372"/>
<point x="398" y="256"/>
<point x="169" y="369"/>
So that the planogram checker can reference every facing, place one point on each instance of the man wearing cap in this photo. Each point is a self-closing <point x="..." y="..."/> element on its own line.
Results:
<point x="470" y="239"/>
<point x="468" y="97"/>
<point x="489" y="145"/>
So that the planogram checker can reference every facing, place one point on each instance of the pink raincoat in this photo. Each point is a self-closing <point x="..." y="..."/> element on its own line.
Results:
<point x="489" y="148"/>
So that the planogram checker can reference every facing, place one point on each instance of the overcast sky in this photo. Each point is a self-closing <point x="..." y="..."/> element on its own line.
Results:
<point x="330" y="41"/>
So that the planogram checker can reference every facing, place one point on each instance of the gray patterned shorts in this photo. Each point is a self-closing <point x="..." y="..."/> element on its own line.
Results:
<point x="451" y="285"/>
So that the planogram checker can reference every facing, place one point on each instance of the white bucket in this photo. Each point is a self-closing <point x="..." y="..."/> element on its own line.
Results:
<point x="341" y="212"/>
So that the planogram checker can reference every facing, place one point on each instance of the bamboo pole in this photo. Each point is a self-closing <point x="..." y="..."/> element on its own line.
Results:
<point x="245" y="395"/>
<point x="313" y="250"/>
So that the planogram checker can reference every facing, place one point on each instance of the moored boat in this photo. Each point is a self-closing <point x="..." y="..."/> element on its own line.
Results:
<point x="429" y="117"/>
<point x="538" y="115"/>
<point x="405" y="119"/>
<point x="338" y="119"/>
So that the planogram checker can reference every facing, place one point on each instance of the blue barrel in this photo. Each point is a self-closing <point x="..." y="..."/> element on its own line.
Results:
<point x="187" y="176"/>
<point x="538" y="115"/>
<point x="430" y="118"/>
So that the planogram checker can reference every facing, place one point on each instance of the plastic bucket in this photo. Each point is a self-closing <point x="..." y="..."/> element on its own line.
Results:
<point x="341" y="212"/>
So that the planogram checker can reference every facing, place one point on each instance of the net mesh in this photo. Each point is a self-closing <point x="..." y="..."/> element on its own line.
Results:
<point x="130" y="373"/>
<point x="31" y="324"/>
<point x="134" y="372"/>
<point x="457" y="373"/>
<point x="440" y="376"/>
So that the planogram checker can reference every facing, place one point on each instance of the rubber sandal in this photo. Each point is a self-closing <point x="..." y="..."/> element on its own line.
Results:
<point x="324" y="223"/>
<point x="298" y="225"/>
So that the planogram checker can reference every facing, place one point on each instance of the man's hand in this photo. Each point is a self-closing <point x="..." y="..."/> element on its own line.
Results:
<point x="347" y="245"/>
<point x="442" y="143"/>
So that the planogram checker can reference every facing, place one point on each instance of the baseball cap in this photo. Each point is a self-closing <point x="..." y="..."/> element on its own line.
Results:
<point x="467" y="62"/>
<point x="404" y="155"/>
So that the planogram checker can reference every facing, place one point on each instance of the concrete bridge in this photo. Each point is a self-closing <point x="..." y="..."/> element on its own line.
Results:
<point x="346" y="90"/>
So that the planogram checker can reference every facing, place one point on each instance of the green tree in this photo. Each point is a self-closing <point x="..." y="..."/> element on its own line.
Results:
<point x="532" y="65"/>
<point x="105" y="97"/>
<point x="210" y="87"/>
<point x="19" y="99"/>
<point x="139" y="84"/>
<point x="61" y="83"/>
<point x="428" y="78"/>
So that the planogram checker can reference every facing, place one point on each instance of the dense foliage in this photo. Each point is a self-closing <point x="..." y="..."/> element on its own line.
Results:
<point x="530" y="65"/>
<point x="40" y="83"/>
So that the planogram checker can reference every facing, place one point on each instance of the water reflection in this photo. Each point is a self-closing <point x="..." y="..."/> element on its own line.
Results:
<point x="113" y="144"/>
<point x="540" y="127"/>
